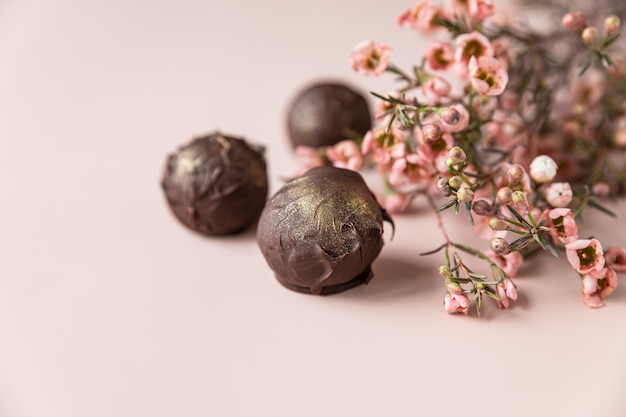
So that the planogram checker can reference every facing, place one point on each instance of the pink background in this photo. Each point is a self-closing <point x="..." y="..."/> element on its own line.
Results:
<point x="109" y="307"/>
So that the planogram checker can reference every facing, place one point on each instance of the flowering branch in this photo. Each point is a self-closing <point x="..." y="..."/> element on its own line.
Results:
<point x="532" y="133"/>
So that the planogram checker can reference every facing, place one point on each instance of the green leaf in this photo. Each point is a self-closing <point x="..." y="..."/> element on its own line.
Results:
<point x="468" y="211"/>
<point x="519" y="217"/>
<point x="434" y="250"/>
<point x="593" y="202"/>
<point x="446" y="205"/>
<point x="492" y="293"/>
<point x="546" y="246"/>
<point x="521" y="243"/>
<point x="387" y="99"/>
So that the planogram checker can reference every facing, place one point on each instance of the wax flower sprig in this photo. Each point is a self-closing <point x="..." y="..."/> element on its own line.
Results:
<point x="520" y="129"/>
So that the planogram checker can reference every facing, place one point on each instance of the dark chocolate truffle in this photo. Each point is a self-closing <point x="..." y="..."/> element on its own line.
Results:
<point x="321" y="232"/>
<point x="326" y="113"/>
<point x="216" y="184"/>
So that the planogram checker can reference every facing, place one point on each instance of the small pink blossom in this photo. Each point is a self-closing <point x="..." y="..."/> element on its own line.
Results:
<point x="308" y="157"/>
<point x="345" y="154"/>
<point x="481" y="9"/>
<point x="456" y="303"/>
<point x="585" y="255"/>
<point x="616" y="258"/>
<point x="562" y="225"/>
<point x="440" y="55"/>
<point x="407" y="175"/>
<point x="470" y="45"/>
<point x="370" y="57"/>
<point x="510" y="263"/>
<point x="488" y="75"/>
<point x="559" y="194"/>
<point x="421" y="16"/>
<point x="597" y="285"/>
<point x="435" y="89"/>
<point x="506" y="290"/>
<point x="382" y="145"/>
<point x="395" y="202"/>
<point x="543" y="169"/>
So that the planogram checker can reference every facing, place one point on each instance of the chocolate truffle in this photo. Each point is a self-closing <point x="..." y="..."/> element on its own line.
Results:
<point x="216" y="184"/>
<point x="326" y="113"/>
<point x="321" y="232"/>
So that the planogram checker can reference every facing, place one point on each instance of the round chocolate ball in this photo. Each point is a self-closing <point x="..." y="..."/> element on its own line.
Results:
<point x="326" y="113"/>
<point x="216" y="184"/>
<point x="321" y="232"/>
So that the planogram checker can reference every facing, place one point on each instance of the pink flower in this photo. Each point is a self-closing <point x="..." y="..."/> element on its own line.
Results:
<point x="615" y="258"/>
<point x="395" y="202"/>
<point x="562" y="224"/>
<point x="345" y="154"/>
<point x="510" y="263"/>
<point x="369" y="57"/>
<point x="440" y="55"/>
<point x="381" y="144"/>
<point x="435" y="89"/>
<point x="481" y="9"/>
<point x="308" y="157"/>
<point x="407" y="174"/>
<point x="421" y="16"/>
<point x="506" y="291"/>
<point x="559" y="194"/>
<point x="597" y="285"/>
<point x="488" y="76"/>
<point x="585" y="255"/>
<point x="456" y="303"/>
<point x="543" y="169"/>
<point x="471" y="45"/>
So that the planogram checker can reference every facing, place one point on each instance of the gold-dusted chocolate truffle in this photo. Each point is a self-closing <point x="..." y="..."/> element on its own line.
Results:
<point x="321" y="232"/>
<point x="216" y="184"/>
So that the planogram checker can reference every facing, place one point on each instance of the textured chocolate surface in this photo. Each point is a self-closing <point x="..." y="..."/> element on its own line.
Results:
<point x="325" y="113"/>
<point x="321" y="232"/>
<point x="216" y="184"/>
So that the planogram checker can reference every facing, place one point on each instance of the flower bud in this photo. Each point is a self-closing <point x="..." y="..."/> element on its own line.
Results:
<point x="601" y="189"/>
<point x="498" y="224"/>
<point x="444" y="271"/>
<point x="457" y="155"/>
<point x="500" y="246"/>
<point x="516" y="174"/>
<point x="589" y="35"/>
<point x="519" y="199"/>
<point x="619" y="138"/>
<point x="611" y="24"/>
<point x="574" y="22"/>
<point x="465" y="195"/>
<point x="504" y="195"/>
<point x="431" y="132"/>
<point x="455" y="182"/>
<point x="454" y="287"/>
<point x="450" y="115"/>
<point x="559" y="194"/>
<point x="543" y="169"/>
<point x="483" y="208"/>
<point x="444" y="188"/>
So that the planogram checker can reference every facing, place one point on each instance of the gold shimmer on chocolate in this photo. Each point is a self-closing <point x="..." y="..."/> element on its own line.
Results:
<point x="325" y="113"/>
<point x="321" y="232"/>
<point x="216" y="184"/>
